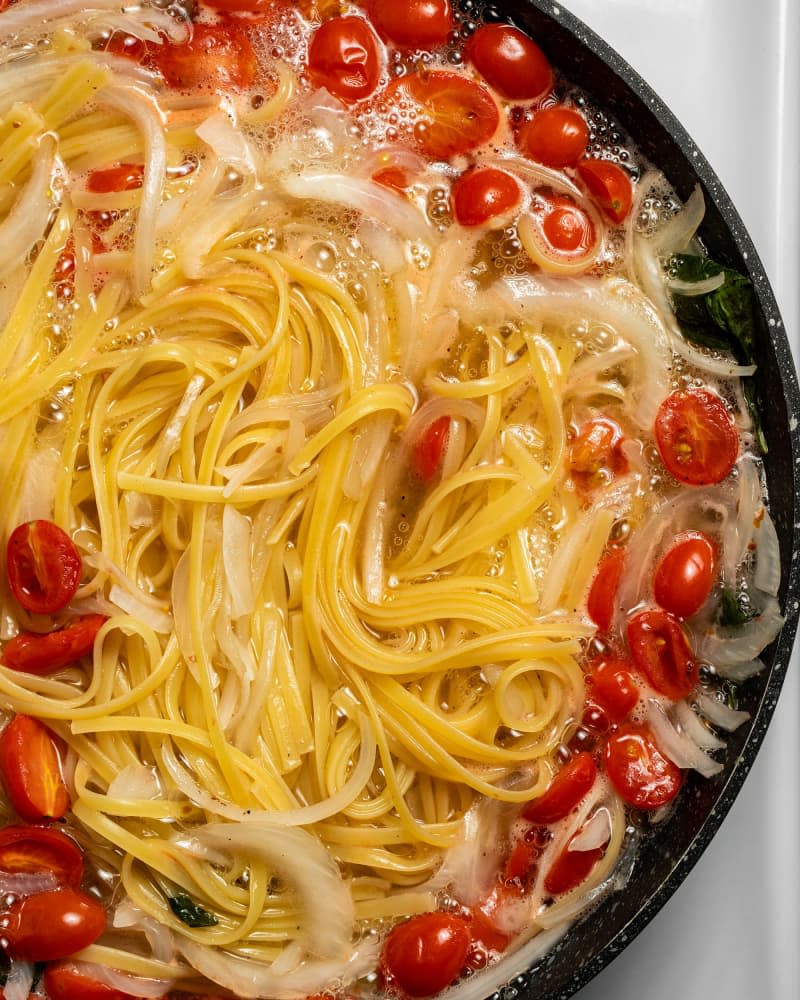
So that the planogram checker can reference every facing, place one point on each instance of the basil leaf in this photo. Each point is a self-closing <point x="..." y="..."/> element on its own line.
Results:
<point x="690" y="267"/>
<point x="190" y="912"/>
<point x="732" y="609"/>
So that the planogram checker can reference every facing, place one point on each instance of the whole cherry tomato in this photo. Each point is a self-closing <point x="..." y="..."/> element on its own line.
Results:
<point x="612" y="687"/>
<point x="484" y="194"/>
<point x="642" y="775"/>
<point x="65" y="981"/>
<point x="345" y="57"/>
<point x="696" y="437"/>
<point x="596" y="454"/>
<point x="215" y="56"/>
<point x="425" y="954"/>
<point x="454" y="114"/>
<point x="429" y="448"/>
<point x="571" y="784"/>
<point x="36" y="850"/>
<point x="603" y="589"/>
<point x="43" y="566"/>
<point x="510" y="62"/>
<point x="610" y="186"/>
<point x="685" y="575"/>
<point x="123" y="177"/>
<point x="570" y="869"/>
<point x="30" y="769"/>
<point x="52" y="925"/>
<point x="45" y="654"/>
<point x="555" y="136"/>
<point x="661" y="653"/>
<point x="415" y="24"/>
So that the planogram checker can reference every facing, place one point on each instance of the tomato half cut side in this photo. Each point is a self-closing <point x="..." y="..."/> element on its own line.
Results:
<point x="555" y="136"/>
<point x="43" y="566"/>
<point x="66" y="981"/>
<point x="454" y="114"/>
<point x="415" y="24"/>
<point x="509" y="61"/>
<point x="570" y="869"/>
<point x="610" y="186"/>
<point x="685" y="574"/>
<point x="111" y="180"/>
<point x="612" y="687"/>
<point x="344" y="56"/>
<point x="43" y="655"/>
<point x="31" y="772"/>
<point x="425" y="954"/>
<point x="596" y="455"/>
<point x="601" y="601"/>
<point x="696" y="437"/>
<point x="661" y="653"/>
<point x="39" y="850"/>
<point x="428" y="451"/>
<point x="53" y="925"/>
<point x="571" y="784"/>
<point x="485" y="195"/>
<point x="215" y="56"/>
<point x="639" y="771"/>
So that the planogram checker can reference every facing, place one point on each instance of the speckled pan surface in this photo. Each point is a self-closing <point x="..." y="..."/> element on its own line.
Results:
<point x="666" y="860"/>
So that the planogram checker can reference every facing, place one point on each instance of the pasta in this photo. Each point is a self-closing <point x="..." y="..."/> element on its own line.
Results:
<point x="321" y="449"/>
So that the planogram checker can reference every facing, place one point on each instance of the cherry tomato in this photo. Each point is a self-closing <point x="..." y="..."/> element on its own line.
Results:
<point x="345" y="57"/>
<point x="38" y="850"/>
<point x="603" y="590"/>
<point x="123" y="177"/>
<point x="510" y="62"/>
<point x="685" y="575"/>
<point x="642" y="775"/>
<point x="30" y="769"/>
<point x="429" y="449"/>
<point x="570" y="869"/>
<point x="394" y="178"/>
<point x="485" y="920"/>
<point x="242" y="6"/>
<point x="564" y="792"/>
<point x="696" y="437"/>
<point x="65" y="981"/>
<point x="454" y="114"/>
<point x="612" y="687"/>
<point x="610" y="186"/>
<point x="520" y="862"/>
<point x="215" y="57"/>
<point x="555" y="136"/>
<point x="53" y="925"/>
<point x="558" y="234"/>
<point x="483" y="195"/>
<point x="596" y="455"/>
<point x="661" y="653"/>
<point x="415" y="24"/>
<point x="425" y="954"/>
<point x="43" y="566"/>
<point x="128" y="46"/>
<point x="45" y="654"/>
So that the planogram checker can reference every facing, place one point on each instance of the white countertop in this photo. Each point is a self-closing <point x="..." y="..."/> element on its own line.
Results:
<point x="729" y="71"/>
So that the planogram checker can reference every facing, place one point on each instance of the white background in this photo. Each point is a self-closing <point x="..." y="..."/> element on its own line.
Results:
<point x="729" y="70"/>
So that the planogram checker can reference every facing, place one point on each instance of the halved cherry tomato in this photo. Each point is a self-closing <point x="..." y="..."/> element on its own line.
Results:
<point x="596" y="455"/>
<point x="65" y="981"/>
<point x="570" y="869"/>
<point x="425" y="954"/>
<point x="642" y="775"/>
<point x="45" y="654"/>
<point x="345" y="57"/>
<point x="509" y="61"/>
<point x="603" y="590"/>
<point x="53" y="925"/>
<point x="555" y="136"/>
<point x="415" y="24"/>
<point x="610" y="186"/>
<point x="242" y="6"/>
<point x="612" y="687"/>
<point x="123" y="177"/>
<point x="558" y="234"/>
<point x="43" y="566"/>
<point x="429" y="448"/>
<point x="661" y="653"/>
<point x="696" y="437"/>
<point x="215" y="57"/>
<point x="454" y="114"/>
<point x="35" y="850"/>
<point x="519" y="863"/>
<point x="564" y="792"/>
<point x="685" y="575"/>
<point x="486" y="917"/>
<point x="394" y="178"/>
<point x="484" y="194"/>
<point x="30" y="770"/>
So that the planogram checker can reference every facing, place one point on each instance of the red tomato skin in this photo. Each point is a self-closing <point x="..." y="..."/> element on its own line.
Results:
<point x="214" y="57"/>
<point x="483" y="194"/>
<point x="43" y="655"/>
<point x="345" y="57"/>
<point x="241" y="6"/>
<point x="43" y="566"/>
<point x="642" y="775"/>
<point x="38" y="850"/>
<point x="519" y="863"/>
<point x="696" y="437"/>
<point x="52" y="925"/>
<point x="555" y="136"/>
<point x="570" y="869"/>
<point x="415" y="24"/>
<point x="429" y="449"/>
<point x="602" y="596"/>
<point x="64" y="981"/>
<point x="612" y="687"/>
<point x="425" y="954"/>
<point x="565" y="791"/>
<point x="510" y="61"/>
<point x="30" y="769"/>
<point x="394" y="178"/>
<point x="610" y="186"/>
<point x="661" y="653"/>
<point x="596" y="455"/>
<point x="685" y="575"/>
<point x="123" y="177"/>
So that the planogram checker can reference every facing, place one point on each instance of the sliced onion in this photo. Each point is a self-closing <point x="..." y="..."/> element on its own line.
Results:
<point x="159" y="936"/>
<point x="37" y="497"/>
<point x="718" y="713"/>
<point x="227" y="142"/>
<point x="19" y="981"/>
<point x="693" y="289"/>
<point x="741" y="671"/>
<point x="26" y="883"/>
<point x="679" y="232"/>
<point x="135" y="781"/>
<point x="25" y="224"/>
<point x="695" y="729"/>
<point x="135" y="986"/>
<point x="470" y="868"/>
<point x="679" y="747"/>
<point x="768" y="556"/>
<point x="727" y="648"/>
<point x="31" y="16"/>
<point x="143" y="608"/>
<point x="174" y="429"/>
<point x="596" y="833"/>
<point x="237" y="539"/>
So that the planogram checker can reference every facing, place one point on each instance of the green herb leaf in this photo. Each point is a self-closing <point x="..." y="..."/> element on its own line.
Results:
<point x="733" y="612"/>
<point x="190" y="912"/>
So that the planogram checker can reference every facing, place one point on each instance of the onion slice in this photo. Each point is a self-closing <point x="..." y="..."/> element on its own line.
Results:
<point x="26" y="222"/>
<point x="678" y="746"/>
